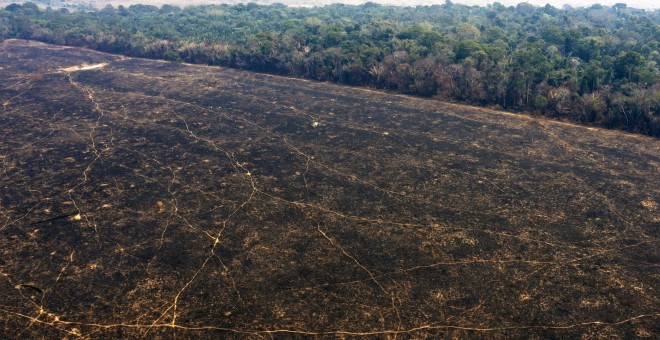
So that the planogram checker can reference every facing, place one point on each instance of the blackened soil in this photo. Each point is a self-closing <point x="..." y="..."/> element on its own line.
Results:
<point x="146" y="199"/>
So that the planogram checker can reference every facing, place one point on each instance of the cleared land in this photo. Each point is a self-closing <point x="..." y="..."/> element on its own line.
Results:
<point x="146" y="199"/>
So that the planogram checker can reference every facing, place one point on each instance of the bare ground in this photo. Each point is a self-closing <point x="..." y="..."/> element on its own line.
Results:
<point x="146" y="199"/>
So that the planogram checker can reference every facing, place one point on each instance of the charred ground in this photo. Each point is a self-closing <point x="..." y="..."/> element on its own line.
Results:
<point x="144" y="198"/>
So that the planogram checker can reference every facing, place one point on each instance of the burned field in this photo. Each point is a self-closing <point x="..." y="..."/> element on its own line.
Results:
<point x="144" y="199"/>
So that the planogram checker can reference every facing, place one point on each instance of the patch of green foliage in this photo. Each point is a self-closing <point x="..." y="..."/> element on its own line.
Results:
<point x="596" y="65"/>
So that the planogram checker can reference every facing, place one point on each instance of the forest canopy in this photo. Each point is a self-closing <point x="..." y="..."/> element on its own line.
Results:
<point x="595" y="65"/>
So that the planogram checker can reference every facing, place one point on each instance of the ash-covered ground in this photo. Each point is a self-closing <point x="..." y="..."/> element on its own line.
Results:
<point x="143" y="199"/>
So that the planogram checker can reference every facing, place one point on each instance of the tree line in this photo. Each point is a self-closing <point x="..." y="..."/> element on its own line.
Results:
<point x="595" y="65"/>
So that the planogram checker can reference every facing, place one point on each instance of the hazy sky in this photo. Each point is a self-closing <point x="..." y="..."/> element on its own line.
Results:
<point x="646" y="4"/>
<point x="642" y="4"/>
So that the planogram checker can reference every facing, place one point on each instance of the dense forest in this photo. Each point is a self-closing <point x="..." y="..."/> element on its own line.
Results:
<point x="596" y="65"/>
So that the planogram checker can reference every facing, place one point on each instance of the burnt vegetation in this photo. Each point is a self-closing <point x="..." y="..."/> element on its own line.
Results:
<point x="595" y="65"/>
<point x="146" y="199"/>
